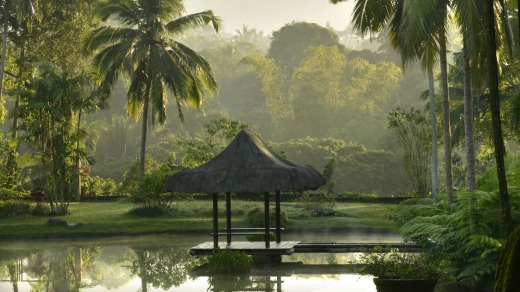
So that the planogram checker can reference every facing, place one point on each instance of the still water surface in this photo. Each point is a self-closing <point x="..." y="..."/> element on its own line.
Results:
<point x="163" y="263"/>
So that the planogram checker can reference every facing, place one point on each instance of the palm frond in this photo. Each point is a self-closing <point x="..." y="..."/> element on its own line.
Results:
<point x="192" y="21"/>
<point x="106" y="36"/>
<point x="171" y="9"/>
<point x="137" y="90"/>
<point x="371" y="15"/>
<point x="200" y="66"/>
<point x="109" y="63"/>
<point x="157" y="90"/>
<point x="423" y="19"/>
<point x="122" y="11"/>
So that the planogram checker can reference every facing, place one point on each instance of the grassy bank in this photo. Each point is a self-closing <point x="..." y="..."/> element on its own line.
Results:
<point x="112" y="218"/>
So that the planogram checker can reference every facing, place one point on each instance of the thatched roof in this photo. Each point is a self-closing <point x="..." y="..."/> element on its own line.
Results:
<point x="246" y="165"/>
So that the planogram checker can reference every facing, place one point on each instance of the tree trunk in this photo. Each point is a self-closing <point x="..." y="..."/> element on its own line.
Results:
<point x="4" y="45"/>
<point x="144" y="131"/>
<point x="468" y="124"/>
<point x="433" y="120"/>
<point x="469" y="139"/>
<point x="494" y="104"/>
<point x="19" y="84"/>
<point x="446" y="119"/>
<point x="77" y="189"/>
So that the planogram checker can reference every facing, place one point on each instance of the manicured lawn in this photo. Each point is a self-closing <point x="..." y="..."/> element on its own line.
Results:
<point x="112" y="218"/>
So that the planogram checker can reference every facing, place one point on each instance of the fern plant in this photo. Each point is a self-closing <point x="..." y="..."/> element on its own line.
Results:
<point x="469" y="233"/>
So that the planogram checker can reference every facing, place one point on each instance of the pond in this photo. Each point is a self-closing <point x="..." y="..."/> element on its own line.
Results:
<point x="163" y="263"/>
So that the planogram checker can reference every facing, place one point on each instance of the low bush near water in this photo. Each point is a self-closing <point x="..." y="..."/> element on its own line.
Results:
<point x="256" y="216"/>
<point x="392" y="264"/>
<point x="148" y="211"/>
<point x="23" y="208"/>
<point x="227" y="261"/>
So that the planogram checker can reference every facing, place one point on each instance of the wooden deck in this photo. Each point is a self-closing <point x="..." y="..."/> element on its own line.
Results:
<point x="249" y="247"/>
<point x="353" y="247"/>
<point x="290" y="247"/>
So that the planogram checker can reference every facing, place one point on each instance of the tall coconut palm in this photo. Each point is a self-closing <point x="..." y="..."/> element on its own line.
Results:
<point x="371" y="16"/>
<point x="137" y="39"/>
<point x="495" y="114"/>
<point x="424" y="19"/>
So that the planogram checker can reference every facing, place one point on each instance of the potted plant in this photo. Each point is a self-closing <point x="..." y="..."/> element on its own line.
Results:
<point x="394" y="271"/>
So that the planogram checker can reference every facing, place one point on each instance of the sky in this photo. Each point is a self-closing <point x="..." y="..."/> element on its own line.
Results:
<point x="269" y="15"/>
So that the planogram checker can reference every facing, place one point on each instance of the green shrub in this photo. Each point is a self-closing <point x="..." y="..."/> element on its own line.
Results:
<point x="350" y="195"/>
<point x="390" y="264"/>
<point x="148" y="211"/>
<point x="259" y="237"/>
<point x="40" y="209"/>
<point x="97" y="186"/>
<point x="7" y="192"/>
<point x="468" y="232"/>
<point x="37" y="194"/>
<point x="57" y="222"/>
<point x="256" y="216"/>
<point x="227" y="261"/>
<point x="148" y="192"/>
<point x="8" y="164"/>
<point x="318" y="204"/>
<point x="14" y="208"/>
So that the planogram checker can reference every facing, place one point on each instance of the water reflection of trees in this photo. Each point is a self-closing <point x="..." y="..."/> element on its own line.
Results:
<point x="69" y="269"/>
<point x="60" y="269"/>
<point x="163" y="267"/>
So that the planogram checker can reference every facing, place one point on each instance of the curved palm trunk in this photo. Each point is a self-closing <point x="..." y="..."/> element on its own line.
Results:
<point x="433" y="120"/>
<point x="446" y="119"/>
<point x="494" y="104"/>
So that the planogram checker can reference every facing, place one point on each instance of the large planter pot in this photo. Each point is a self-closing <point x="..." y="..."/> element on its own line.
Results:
<point x="404" y="285"/>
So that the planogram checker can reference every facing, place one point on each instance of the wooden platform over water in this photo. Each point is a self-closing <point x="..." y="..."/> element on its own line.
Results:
<point x="290" y="247"/>
<point x="353" y="247"/>
<point x="249" y="247"/>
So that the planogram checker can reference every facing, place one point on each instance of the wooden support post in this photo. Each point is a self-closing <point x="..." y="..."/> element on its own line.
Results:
<point x="228" y="217"/>
<point x="266" y="221"/>
<point x="215" y="221"/>
<point x="278" y="215"/>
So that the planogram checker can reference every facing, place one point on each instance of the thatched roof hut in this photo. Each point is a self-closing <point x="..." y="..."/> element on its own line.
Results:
<point x="246" y="165"/>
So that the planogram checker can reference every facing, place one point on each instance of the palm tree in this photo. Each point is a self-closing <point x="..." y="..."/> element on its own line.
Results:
<point x="375" y="16"/>
<point x="138" y="40"/>
<point x="494" y="102"/>
<point x="426" y="21"/>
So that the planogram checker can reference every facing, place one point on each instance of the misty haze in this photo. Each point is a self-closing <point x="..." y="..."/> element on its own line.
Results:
<point x="331" y="139"/>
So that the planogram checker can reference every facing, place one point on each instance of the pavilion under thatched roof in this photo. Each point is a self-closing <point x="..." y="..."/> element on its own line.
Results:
<point x="246" y="165"/>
